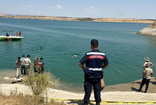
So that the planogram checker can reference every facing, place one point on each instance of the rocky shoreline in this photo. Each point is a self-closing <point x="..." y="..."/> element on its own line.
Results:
<point x="150" y="30"/>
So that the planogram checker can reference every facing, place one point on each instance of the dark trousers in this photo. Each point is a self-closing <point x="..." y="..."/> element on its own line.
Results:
<point x="23" y="70"/>
<point x="144" y="81"/>
<point x="27" y="68"/>
<point x="94" y="81"/>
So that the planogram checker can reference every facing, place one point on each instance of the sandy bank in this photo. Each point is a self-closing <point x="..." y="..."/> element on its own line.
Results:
<point x="125" y="96"/>
<point x="82" y="19"/>
<point x="122" y="92"/>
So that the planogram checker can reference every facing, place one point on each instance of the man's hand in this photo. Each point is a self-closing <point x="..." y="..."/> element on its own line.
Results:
<point x="82" y="67"/>
<point x="104" y="66"/>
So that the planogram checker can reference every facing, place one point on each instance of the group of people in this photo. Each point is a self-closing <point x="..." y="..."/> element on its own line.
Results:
<point x="39" y="66"/>
<point x="23" y="65"/>
<point x="18" y="34"/>
<point x="94" y="62"/>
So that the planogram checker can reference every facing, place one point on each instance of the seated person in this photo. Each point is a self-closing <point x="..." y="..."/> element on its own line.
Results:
<point x="20" y="33"/>
<point x="7" y="34"/>
<point x="16" y="33"/>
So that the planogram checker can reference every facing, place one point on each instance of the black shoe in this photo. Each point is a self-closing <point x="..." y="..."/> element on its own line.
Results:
<point x="139" y="90"/>
<point x="85" y="103"/>
<point x="97" y="103"/>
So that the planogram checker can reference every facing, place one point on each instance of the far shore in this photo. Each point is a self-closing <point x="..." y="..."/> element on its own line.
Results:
<point x="81" y="19"/>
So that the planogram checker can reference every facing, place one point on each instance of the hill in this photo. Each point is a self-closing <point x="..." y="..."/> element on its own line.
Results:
<point x="80" y="19"/>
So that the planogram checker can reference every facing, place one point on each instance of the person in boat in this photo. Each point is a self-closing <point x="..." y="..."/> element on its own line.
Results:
<point x="7" y="34"/>
<point x="19" y="33"/>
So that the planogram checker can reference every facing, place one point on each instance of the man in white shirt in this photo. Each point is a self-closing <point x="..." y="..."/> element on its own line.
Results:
<point x="146" y="77"/>
<point x="27" y="62"/>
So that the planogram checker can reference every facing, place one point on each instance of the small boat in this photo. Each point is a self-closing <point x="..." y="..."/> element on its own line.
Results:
<point x="10" y="37"/>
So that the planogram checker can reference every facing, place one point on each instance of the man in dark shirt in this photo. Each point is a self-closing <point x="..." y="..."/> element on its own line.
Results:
<point x="95" y="61"/>
<point x="41" y="65"/>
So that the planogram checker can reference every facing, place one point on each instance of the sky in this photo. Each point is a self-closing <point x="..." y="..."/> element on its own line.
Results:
<point x="137" y="9"/>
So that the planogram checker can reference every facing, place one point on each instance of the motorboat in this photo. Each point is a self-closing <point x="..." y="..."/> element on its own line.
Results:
<point x="10" y="37"/>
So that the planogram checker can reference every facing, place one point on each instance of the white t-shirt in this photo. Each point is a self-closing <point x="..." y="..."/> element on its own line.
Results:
<point x="27" y="61"/>
<point x="147" y="73"/>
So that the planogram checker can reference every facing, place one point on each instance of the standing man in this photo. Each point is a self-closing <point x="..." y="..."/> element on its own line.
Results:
<point x="146" y="77"/>
<point x="27" y="62"/>
<point x="23" y="65"/>
<point x="41" y="65"/>
<point x="36" y="65"/>
<point x="95" y="61"/>
<point x="17" y="67"/>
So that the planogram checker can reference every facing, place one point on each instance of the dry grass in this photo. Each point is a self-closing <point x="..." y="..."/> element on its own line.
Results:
<point x="25" y="100"/>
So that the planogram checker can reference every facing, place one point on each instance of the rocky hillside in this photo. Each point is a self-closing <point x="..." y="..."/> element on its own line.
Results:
<point x="150" y="30"/>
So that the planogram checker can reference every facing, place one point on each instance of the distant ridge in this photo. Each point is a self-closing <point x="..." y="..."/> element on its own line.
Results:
<point x="150" y="30"/>
<point x="80" y="19"/>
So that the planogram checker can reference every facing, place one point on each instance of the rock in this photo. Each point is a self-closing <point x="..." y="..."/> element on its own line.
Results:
<point x="150" y="30"/>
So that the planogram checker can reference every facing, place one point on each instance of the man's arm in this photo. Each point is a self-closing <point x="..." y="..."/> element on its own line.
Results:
<point x="82" y="67"/>
<point x="105" y="63"/>
<point x="104" y="66"/>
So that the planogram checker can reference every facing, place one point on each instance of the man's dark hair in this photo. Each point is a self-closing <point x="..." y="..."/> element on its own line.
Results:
<point x="94" y="42"/>
<point x="23" y="55"/>
<point x="147" y="65"/>
<point x="28" y="55"/>
<point x="41" y="58"/>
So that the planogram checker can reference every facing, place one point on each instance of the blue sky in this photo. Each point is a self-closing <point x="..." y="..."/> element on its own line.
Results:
<point x="139" y="9"/>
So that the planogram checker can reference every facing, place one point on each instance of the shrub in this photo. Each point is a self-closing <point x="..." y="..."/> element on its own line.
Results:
<point x="37" y="82"/>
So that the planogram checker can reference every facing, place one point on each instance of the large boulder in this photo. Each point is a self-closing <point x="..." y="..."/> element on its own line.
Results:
<point x="150" y="30"/>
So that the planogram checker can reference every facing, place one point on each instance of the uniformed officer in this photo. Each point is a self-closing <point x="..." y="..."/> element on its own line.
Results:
<point x="95" y="61"/>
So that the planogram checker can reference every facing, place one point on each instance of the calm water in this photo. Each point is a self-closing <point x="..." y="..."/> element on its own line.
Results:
<point x="60" y="40"/>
